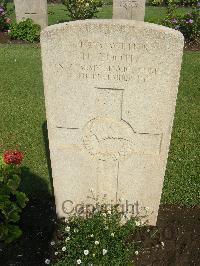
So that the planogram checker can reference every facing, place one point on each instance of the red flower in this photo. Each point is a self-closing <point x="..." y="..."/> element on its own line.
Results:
<point x="12" y="157"/>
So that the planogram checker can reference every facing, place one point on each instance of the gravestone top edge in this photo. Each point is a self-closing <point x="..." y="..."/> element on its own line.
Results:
<point x="113" y="22"/>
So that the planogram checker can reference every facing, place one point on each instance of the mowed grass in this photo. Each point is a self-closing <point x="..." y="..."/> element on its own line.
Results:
<point x="22" y="107"/>
<point x="182" y="180"/>
<point x="57" y="13"/>
<point x="23" y="116"/>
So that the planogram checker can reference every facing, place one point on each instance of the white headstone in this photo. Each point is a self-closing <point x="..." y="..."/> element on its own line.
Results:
<point x="110" y="91"/>
<point x="34" y="9"/>
<point x="129" y="9"/>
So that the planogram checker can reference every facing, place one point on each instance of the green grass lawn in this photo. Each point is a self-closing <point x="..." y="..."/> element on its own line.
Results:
<point x="57" y="13"/>
<point x="182" y="184"/>
<point x="22" y="106"/>
<point x="152" y="14"/>
<point x="23" y="116"/>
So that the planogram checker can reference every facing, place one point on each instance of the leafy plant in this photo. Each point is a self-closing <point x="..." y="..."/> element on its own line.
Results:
<point x="82" y="9"/>
<point x="155" y="2"/>
<point x="100" y="236"/>
<point x="187" y="2"/>
<point x="4" y="3"/>
<point x="177" y="2"/>
<point x="188" y="24"/>
<point x="4" y="20"/>
<point x="12" y="201"/>
<point x="25" y="30"/>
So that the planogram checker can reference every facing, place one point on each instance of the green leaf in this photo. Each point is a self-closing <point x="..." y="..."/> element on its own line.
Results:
<point x="3" y="231"/>
<point x="21" y="199"/>
<point x="4" y="198"/>
<point x="13" y="183"/>
<point x="14" y="232"/>
<point x="13" y="216"/>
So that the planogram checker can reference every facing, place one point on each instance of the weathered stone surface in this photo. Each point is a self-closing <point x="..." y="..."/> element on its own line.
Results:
<point x="34" y="9"/>
<point x="129" y="9"/>
<point x="110" y="90"/>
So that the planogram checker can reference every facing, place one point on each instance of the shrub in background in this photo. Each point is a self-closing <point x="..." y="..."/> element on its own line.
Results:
<point x="188" y="24"/>
<point x="4" y="20"/>
<point x="4" y="3"/>
<point x="12" y="201"/>
<point x="105" y="2"/>
<point x="155" y="2"/>
<point x="25" y="30"/>
<point x="187" y="2"/>
<point x="82" y="9"/>
<point x="162" y="2"/>
<point x="177" y="2"/>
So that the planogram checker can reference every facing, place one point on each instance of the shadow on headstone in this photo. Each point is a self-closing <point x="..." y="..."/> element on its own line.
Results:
<point x="47" y="151"/>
